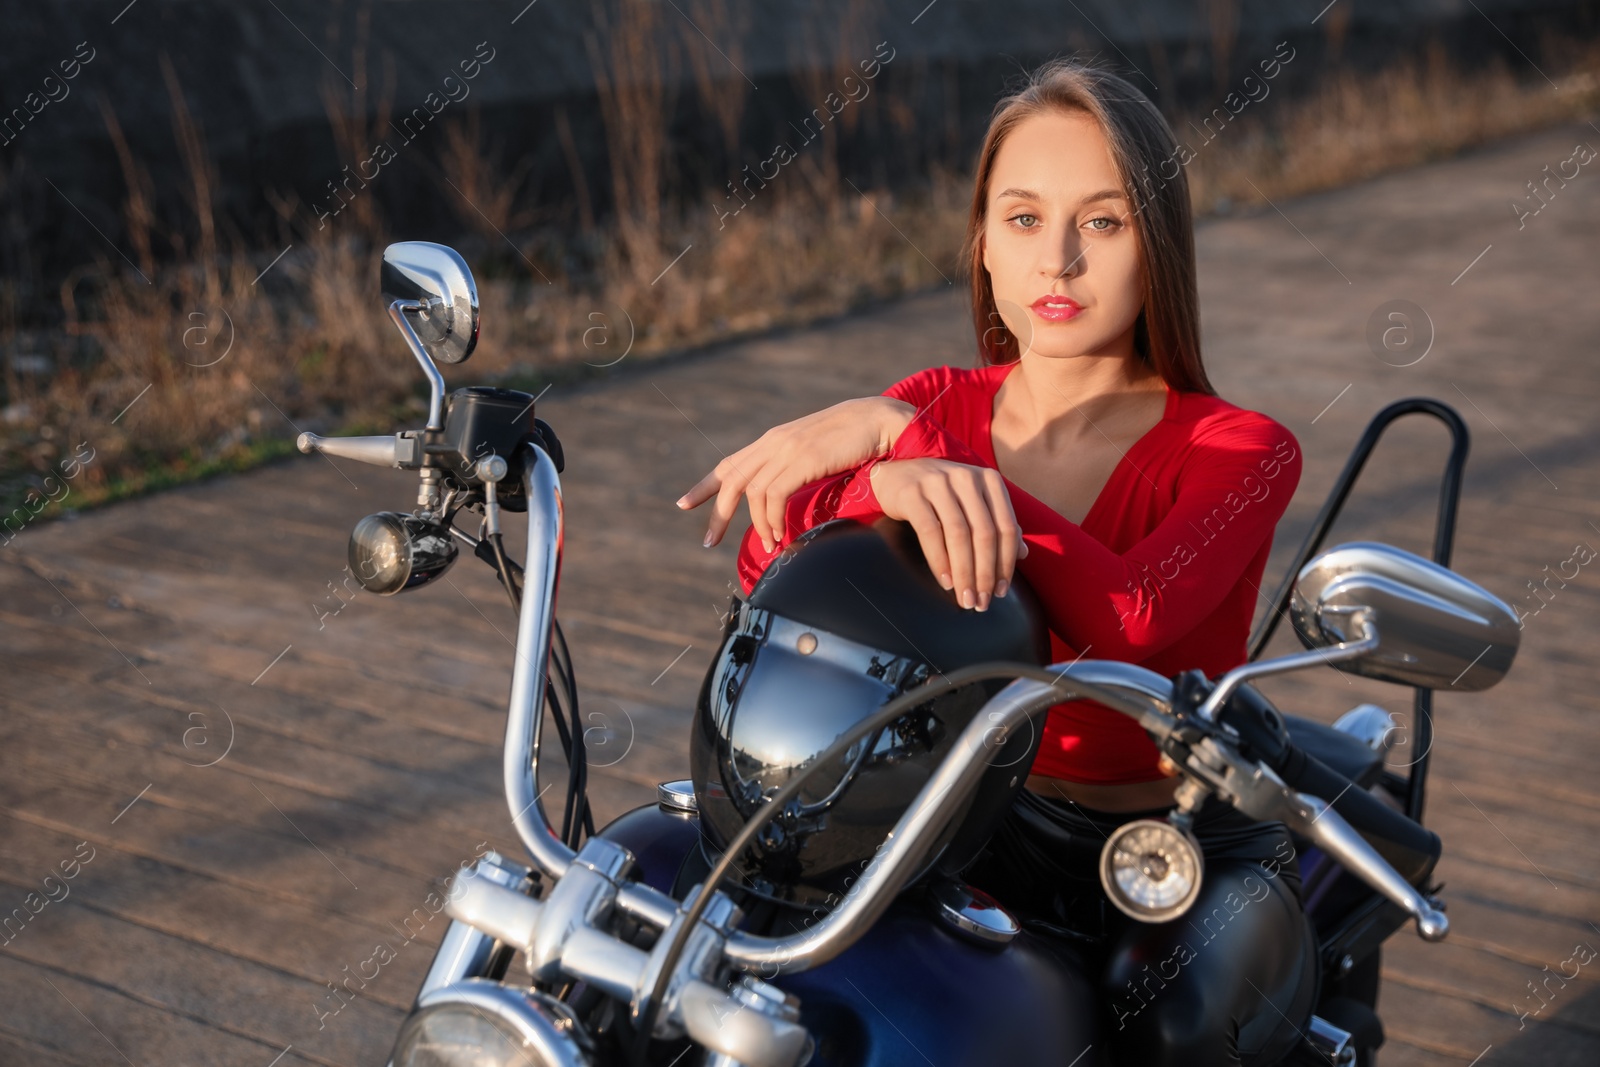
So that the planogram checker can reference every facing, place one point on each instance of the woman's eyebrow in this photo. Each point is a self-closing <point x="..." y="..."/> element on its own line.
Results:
<point x="1029" y="194"/>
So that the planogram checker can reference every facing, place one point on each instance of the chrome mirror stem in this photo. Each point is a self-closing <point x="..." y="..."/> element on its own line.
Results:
<point x="1294" y="661"/>
<point x="397" y="312"/>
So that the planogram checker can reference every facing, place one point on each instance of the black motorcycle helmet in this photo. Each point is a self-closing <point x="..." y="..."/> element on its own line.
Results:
<point x="844" y="620"/>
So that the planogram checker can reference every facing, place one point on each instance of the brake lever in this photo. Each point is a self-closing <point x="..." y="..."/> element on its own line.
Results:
<point x="1324" y="826"/>
<point x="1255" y="789"/>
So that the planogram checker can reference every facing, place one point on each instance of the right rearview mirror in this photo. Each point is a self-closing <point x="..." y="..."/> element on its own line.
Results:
<point x="1435" y="629"/>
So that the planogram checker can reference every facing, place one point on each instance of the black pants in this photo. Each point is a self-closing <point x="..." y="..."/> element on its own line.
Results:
<point x="1219" y="985"/>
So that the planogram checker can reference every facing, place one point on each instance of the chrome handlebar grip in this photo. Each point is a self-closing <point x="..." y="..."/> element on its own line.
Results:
<point x="1131" y="689"/>
<point x="378" y="451"/>
<point x="1329" y="830"/>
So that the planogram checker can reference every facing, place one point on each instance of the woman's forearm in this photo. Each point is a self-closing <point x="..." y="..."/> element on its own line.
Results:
<point x="893" y="416"/>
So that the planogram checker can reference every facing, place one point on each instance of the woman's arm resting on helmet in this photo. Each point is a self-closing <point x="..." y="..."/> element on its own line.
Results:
<point x="836" y="440"/>
<point x="843" y="496"/>
<point x="960" y="512"/>
<point x="954" y="501"/>
<point x="776" y="465"/>
<point x="963" y="518"/>
<point x="1130" y="605"/>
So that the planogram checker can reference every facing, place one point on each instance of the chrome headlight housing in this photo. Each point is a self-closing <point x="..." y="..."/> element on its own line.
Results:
<point x="390" y="552"/>
<point x="1151" y="870"/>
<point x="479" y="1023"/>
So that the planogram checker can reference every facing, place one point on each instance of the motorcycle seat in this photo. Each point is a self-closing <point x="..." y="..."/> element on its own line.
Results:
<point x="1350" y="756"/>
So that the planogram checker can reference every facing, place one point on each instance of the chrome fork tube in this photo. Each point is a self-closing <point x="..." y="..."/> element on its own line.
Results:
<point x="541" y="567"/>
<point x="467" y="952"/>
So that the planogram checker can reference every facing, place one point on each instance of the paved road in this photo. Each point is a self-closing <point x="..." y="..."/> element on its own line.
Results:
<point x="251" y="790"/>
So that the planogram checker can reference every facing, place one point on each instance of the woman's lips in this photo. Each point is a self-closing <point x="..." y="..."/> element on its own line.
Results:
<point x="1056" y="308"/>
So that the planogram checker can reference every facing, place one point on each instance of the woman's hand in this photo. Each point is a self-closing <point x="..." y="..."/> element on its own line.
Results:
<point x="963" y="518"/>
<point x="786" y="457"/>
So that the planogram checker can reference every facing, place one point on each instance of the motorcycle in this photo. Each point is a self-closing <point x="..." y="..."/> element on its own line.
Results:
<point x="620" y="960"/>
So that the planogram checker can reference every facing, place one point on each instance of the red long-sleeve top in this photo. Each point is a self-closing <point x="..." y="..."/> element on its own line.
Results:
<point x="1163" y="571"/>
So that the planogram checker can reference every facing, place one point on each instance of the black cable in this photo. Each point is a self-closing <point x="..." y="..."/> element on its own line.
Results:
<point x="574" y="743"/>
<point x="566" y="713"/>
<point x="579" y="812"/>
<point x="503" y="568"/>
<point x="580" y="748"/>
<point x="552" y="700"/>
<point x="780" y="799"/>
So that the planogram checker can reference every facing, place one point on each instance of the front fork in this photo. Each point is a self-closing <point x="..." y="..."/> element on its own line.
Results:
<point x="467" y="952"/>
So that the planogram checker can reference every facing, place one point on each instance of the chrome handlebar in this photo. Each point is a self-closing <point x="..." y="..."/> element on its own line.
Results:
<point x="541" y="567"/>
<point x="1131" y="689"/>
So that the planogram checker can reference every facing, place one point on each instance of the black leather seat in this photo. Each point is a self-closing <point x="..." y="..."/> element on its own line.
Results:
<point x="1348" y="755"/>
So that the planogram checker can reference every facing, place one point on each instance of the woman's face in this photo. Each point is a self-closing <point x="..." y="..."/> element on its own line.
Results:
<point x="1058" y="229"/>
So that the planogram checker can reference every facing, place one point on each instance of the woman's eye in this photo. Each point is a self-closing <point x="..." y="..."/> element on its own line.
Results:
<point x="1102" y="218"/>
<point x="1025" y="221"/>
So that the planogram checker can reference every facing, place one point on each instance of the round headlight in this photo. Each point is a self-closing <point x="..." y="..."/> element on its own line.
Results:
<point x="390" y="552"/>
<point x="1151" y="870"/>
<point x="458" y="1036"/>
<point x="479" y="1023"/>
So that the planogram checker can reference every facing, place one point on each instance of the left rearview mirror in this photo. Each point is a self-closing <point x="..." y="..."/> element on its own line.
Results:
<point x="437" y="296"/>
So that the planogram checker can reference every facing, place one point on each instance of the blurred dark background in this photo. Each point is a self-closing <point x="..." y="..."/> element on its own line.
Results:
<point x="282" y="93"/>
<point x="182" y="178"/>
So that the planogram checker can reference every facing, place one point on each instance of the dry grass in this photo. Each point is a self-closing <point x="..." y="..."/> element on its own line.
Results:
<point x="1362" y="125"/>
<point x="311" y="349"/>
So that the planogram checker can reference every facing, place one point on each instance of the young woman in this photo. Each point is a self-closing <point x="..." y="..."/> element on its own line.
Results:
<point x="1089" y="450"/>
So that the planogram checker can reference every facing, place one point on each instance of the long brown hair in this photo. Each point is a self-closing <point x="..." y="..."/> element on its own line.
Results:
<point x="1167" y="334"/>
